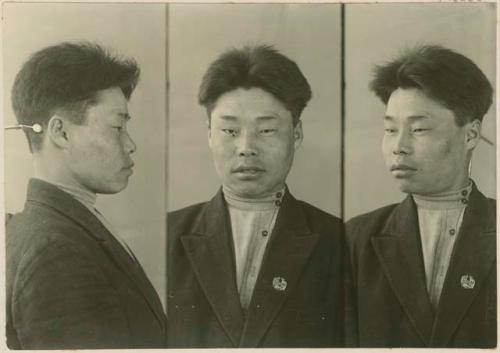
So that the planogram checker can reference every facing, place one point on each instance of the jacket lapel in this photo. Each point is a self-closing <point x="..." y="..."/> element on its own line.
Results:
<point x="41" y="191"/>
<point x="398" y="249"/>
<point x="474" y="255"/>
<point x="290" y="246"/>
<point x="209" y="250"/>
<point x="133" y="270"/>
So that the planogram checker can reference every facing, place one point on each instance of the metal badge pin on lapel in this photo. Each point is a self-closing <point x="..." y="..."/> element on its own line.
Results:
<point x="467" y="282"/>
<point x="279" y="283"/>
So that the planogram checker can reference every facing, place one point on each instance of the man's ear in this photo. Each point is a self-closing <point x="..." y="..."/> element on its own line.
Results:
<point x="298" y="134"/>
<point x="56" y="131"/>
<point x="472" y="134"/>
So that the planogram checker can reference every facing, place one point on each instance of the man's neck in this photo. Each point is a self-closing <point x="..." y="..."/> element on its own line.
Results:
<point x="445" y="200"/>
<point x="266" y="202"/>
<point x="54" y="174"/>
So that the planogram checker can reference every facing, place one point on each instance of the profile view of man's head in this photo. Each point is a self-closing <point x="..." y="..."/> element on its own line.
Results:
<point x="254" y="98"/>
<point x="78" y="94"/>
<point x="436" y="100"/>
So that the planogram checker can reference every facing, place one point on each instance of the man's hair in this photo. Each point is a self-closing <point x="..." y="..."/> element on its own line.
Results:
<point x="66" y="77"/>
<point x="443" y="75"/>
<point x="256" y="66"/>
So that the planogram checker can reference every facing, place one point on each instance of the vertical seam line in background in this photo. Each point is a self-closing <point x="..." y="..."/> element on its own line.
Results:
<point x="342" y="111"/>
<point x="166" y="149"/>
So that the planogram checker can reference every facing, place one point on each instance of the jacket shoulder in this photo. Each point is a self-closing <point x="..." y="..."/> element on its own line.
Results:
<point x="328" y="226"/>
<point x="362" y="227"/>
<point x="315" y="212"/>
<point x="39" y="225"/>
<point x="492" y="204"/>
<point x="181" y="221"/>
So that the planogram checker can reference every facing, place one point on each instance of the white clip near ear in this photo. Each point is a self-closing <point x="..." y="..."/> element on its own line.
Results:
<point x="35" y="127"/>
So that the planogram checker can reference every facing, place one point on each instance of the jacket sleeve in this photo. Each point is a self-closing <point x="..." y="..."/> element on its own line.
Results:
<point x="62" y="299"/>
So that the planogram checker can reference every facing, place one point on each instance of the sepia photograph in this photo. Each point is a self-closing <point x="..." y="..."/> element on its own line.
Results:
<point x="420" y="173"/>
<point x="254" y="96"/>
<point x="249" y="175"/>
<point x="85" y="165"/>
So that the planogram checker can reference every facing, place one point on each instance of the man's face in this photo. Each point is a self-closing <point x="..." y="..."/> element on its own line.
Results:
<point x="98" y="154"/>
<point x="424" y="149"/>
<point x="253" y="141"/>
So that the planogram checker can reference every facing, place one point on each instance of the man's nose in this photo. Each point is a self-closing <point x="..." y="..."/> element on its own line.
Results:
<point x="402" y="144"/>
<point x="129" y="144"/>
<point x="247" y="144"/>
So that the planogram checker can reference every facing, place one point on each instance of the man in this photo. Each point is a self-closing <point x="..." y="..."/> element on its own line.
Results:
<point x="425" y="269"/>
<point x="254" y="267"/>
<point x="72" y="282"/>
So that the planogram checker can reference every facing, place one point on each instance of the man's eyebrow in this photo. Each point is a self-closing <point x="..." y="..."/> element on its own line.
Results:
<point x="412" y="118"/>
<point x="266" y="117"/>
<point x="125" y="116"/>
<point x="228" y="117"/>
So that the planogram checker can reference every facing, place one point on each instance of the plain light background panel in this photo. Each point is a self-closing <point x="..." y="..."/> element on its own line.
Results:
<point x="309" y="34"/>
<point x="133" y="30"/>
<point x="376" y="33"/>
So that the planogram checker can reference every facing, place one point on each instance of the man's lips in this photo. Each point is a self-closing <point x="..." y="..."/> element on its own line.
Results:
<point x="248" y="169"/>
<point x="129" y="167"/>
<point x="402" y="171"/>
<point x="402" y="167"/>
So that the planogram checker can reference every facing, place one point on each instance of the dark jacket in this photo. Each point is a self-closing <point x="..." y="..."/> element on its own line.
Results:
<point x="70" y="284"/>
<point x="306" y="249"/>
<point x="394" y="309"/>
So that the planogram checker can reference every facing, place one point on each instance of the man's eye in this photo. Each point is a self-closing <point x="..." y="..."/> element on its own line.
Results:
<point x="389" y="130"/>
<point x="420" y="130"/>
<point x="267" y="131"/>
<point x="230" y="132"/>
<point x="119" y="128"/>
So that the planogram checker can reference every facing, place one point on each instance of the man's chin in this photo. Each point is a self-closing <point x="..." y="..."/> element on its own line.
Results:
<point x="413" y="188"/>
<point x="248" y="191"/>
<point x="112" y="189"/>
<point x="407" y="187"/>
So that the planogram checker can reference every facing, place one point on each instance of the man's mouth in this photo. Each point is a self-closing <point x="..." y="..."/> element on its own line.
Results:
<point x="129" y="167"/>
<point x="396" y="167"/>
<point x="248" y="171"/>
<point x="402" y="170"/>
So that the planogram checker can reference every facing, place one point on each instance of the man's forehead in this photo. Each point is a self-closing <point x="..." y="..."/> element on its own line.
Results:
<point x="411" y="118"/>
<point x="253" y="101"/>
<point x="414" y="105"/>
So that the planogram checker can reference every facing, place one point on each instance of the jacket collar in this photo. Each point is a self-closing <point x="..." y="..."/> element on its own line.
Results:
<point x="474" y="255"/>
<point x="398" y="248"/>
<point x="209" y="247"/>
<point x="42" y="192"/>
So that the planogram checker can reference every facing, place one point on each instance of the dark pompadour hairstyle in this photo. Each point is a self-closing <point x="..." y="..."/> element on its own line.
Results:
<point x="256" y="66"/>
<point x="442" y="74"/>
<point x="67" y="77"/>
